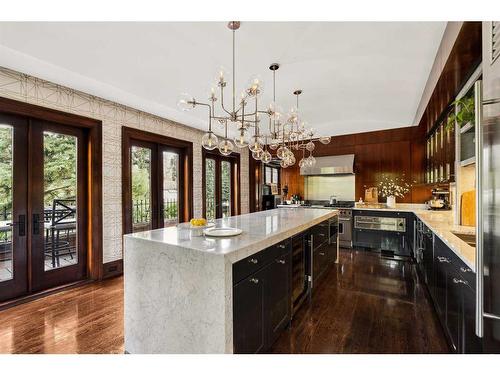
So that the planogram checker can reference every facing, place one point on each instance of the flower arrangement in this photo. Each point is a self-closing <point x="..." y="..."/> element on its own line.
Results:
<point x="393" y="186"/>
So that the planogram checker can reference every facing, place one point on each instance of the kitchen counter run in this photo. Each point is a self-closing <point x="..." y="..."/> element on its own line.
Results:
<point x="441" y="223"/>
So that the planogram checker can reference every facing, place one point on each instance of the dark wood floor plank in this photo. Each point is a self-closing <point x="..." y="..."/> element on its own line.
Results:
<point x="364" y="304"/>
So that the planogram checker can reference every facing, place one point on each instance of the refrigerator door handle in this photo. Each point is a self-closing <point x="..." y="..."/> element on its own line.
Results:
<point x="478" y="102"/>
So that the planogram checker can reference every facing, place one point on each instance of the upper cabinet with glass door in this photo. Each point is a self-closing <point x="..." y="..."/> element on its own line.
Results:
<point x="464" y="121"/>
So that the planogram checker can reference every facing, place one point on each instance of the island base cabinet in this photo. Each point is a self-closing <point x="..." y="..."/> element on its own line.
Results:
<point x="248" y="314"/>
<point x="262" y="306"/>
<point x="277" y="301"/>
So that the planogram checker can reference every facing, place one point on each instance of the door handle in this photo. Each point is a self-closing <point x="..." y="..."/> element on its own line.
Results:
<point x="20" y="224"/>
<point x="36" y="223"/>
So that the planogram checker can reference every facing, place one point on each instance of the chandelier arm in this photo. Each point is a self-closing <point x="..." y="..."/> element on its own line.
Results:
<point x="210" y="109"/>
<point x="222" y="101"/>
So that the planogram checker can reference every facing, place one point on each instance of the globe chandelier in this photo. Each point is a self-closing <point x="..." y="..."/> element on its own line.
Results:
<point x="285" y="133"/>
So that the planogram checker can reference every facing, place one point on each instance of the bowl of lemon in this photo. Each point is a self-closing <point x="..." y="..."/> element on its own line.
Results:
<point x="196" y="226"/>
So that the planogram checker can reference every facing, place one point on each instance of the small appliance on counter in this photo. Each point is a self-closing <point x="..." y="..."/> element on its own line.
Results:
<point x="440" y="199"/>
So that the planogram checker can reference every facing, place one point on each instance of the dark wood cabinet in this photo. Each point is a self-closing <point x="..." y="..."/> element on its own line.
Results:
<point x="248" y="314"/>
<point x="451" y="285"/>
<point x="262" y="305"/>
<point x="269" y="286"/>
<point x="277" y="301"/>
<point x="469" y="342"/>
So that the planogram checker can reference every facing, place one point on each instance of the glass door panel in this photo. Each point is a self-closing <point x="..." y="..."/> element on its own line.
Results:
<point x="141" y="189"/>
<point x="6" y="185"/>
<point x="210" y="189"/>
<point x="226" y="179"/>
<point x="60" y="199"/>
<point x="170" y="188"/>
<point x="13" y="205"/>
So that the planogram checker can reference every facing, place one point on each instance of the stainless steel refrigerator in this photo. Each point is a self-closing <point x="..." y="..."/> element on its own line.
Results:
<point x="488" y="192"/>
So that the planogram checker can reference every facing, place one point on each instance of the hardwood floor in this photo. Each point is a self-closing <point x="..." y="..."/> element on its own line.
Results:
<point x="365" y="304"/>
<point x="87" y="319"/>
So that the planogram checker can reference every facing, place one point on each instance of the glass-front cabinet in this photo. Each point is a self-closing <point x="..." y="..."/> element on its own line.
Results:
<point x="440" y="152"/>
<point x="451" y="141"/>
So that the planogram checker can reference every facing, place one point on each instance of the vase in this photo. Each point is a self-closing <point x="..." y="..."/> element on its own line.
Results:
<point x="391" y="201"/>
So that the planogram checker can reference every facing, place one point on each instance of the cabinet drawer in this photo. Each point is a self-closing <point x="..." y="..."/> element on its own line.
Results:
<point x="253" y="263"/>
<point x="320" y="234"/>
<point x="320" y="261"/>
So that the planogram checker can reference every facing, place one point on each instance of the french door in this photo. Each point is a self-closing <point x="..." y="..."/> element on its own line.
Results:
<point x="156" y="176"/>
<point x="220" y="185"/>
<point x="43" y="210"/>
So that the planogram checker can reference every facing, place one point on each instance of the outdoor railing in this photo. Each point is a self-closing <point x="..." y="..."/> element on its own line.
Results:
<point x="141" y="211"/>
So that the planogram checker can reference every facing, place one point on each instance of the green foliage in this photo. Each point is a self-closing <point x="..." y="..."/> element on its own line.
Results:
<point x="141" y="163"/>
<point x="5" y="168"/>
<point x="465" y="113"/>
<point x="60" y="166"/>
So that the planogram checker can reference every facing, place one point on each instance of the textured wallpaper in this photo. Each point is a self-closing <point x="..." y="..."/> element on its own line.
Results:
<point x="22" y="87"/>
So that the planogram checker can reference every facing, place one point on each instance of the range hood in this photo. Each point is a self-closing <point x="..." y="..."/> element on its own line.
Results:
<point x="330" y="165"/>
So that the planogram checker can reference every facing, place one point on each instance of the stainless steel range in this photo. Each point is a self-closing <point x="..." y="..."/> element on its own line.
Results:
<point x="345" y="222"/>
<point x="345" y="219"/>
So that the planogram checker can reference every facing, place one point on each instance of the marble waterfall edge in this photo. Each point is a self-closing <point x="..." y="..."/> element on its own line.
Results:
<point x="178" y="289"/>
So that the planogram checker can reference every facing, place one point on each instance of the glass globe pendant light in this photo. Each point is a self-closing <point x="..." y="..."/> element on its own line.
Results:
<point x="241" y="140"/>
<point x="255" y="144"/>
<point x="226" y="146"/>
<point x="257" y="155"/>
<point x="186" y="102"/>
<point x="209" y="141"/>
<point x="266" y="156"/>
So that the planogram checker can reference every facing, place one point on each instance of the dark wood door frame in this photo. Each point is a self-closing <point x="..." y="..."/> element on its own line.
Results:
<point x="159" y="143"/>
<point x="44" y="279"/>
<point x="93" y="128"/>
<point x="234" y="159"/>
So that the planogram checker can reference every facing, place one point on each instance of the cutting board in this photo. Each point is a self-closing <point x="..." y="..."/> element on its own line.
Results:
<point x="468" y="208"/>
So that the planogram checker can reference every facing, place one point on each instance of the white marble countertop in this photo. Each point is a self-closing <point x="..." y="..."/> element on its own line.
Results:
<point x="441" y="223"/>
<point x="260" y="230"/>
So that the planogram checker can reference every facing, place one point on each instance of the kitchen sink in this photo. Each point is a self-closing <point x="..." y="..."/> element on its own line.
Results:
<point x="467" y="238"/>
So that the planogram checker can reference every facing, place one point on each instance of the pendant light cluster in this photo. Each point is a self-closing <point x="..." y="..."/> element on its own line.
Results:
<point x="286" y="132"/>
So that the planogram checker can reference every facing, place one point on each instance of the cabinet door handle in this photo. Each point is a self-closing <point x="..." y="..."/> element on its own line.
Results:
<point x="280" y="261"/>
<point x="465" y="269"/>
<point x="443" y="260"/>
<point x="321" y="253"/>
<point x="254" y="280"/>
<point x="253" y="260"/>
<point x="282" y="246"/>
<point x="458" y="281"/>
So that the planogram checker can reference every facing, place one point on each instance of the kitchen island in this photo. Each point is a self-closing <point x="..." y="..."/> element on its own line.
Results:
<point x="179" y="288"/>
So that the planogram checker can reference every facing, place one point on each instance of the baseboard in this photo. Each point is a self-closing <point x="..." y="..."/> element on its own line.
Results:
<point x="112" y="269"/>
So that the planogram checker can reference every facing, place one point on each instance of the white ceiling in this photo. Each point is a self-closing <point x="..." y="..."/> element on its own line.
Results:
<point x="356" y="76"/>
